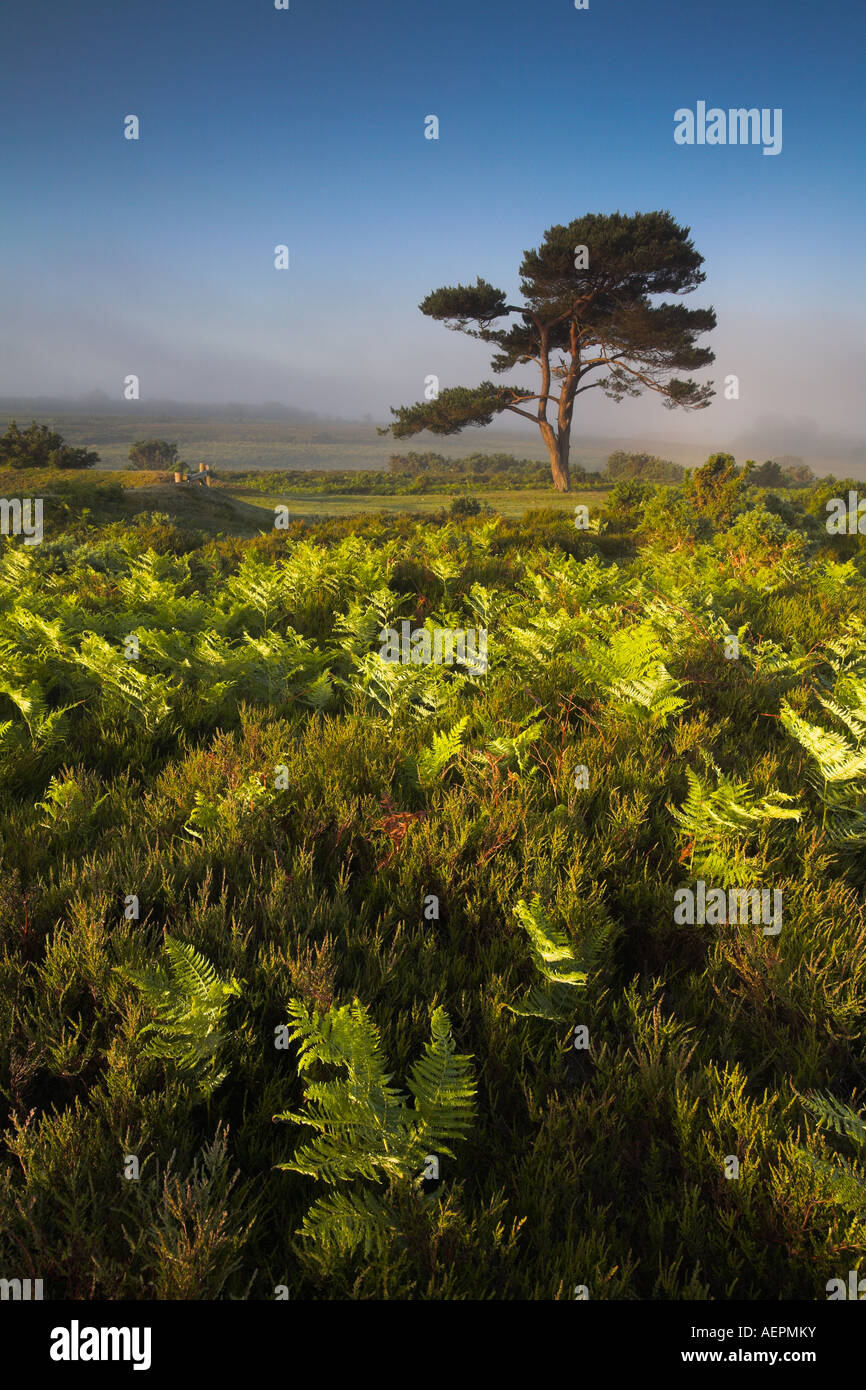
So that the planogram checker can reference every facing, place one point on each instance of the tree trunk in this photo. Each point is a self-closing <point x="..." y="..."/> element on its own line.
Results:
<point x="558" y="450"/>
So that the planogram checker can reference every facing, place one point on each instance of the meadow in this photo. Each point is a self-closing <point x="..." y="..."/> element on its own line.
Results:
<point x="331" y="977"/>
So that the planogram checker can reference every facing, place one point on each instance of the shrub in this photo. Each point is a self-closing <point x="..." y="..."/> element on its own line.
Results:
<point x="39" y="446"/>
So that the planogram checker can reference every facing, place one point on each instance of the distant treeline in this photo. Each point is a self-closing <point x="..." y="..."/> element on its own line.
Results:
<point x="621" y="465"/>
<point x="415" y="473"/>
<point x="454" y="476"/>
<point x="786" y="471"/>
<point x="430" y="471"/>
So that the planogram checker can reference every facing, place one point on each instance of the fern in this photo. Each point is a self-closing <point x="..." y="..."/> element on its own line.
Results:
<point x="432" y="762"/>
<point x="514" y="750"/>
<point x="125" y="691"/>
<point x="847" y="1180"/>
<point x="653" y="695"/>
<point x="442" y="1087"/>
<point x="66" y="804"/>
<point x="846" y="654"/>
<point x="715" y="821"/>
<point x="344" y="1222"/>
<point x="563" y="970"/>
<point x="417" y="691"/>
<point x="46" y="728"/>
<point x="839" y="777"/>
<point x="365" y="1127"/>
<point x="190" y="1003"/>
<point x="630" y="672"/>
<point x="358" y="628"/>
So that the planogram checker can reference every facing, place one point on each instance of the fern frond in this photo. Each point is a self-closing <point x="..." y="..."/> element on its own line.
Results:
<point x="442" y="1086"/>
<point x="432" y="762"/>
<point x="715" y="820"/>
<point x="837" y="760"/>
<point x="847" y="1180"/>
<point x="363" y="1121"/>
<point x="189" y="1002"/>
<point x="840" y="776"/>
<point x="513" y="750"/>
<point x="838" y="1116"/>
<point x="562" y="967"/>
<point x="343" y="1222"/>
<point x="365" y="1127"/>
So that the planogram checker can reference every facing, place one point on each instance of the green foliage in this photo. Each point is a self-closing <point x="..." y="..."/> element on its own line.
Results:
<point x="631" y="674"/>
<point x="190" y="1003"/>
<point x="436" y="472"/>
<point x="847" y="1180"/>
<point x="432" y="762"/>
<point x="563" y="969"/>
<point x="646" y="467"/>
<point x="39" y="446"/>
<point x="454" y="408"/>
<point x="717" y="487"/>
<point x="153" y="454"/>
<point x="365" y="1127"/>
<point x="400" y="787"/>
<point x="838" y="773"/>
<point x="513" y="750"/>
<point x="716" y="820"/>
<point x="465" y="506"/>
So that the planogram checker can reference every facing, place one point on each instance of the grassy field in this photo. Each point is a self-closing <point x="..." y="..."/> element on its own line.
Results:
<point x="235" y="510"/>
<point x="511" y="504"/>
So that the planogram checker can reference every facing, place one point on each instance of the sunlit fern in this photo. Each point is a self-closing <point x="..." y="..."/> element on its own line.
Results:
<point x="839" y="774"/>
<point x="718" y="817"/>
<point x="631" y="673"/>
<point x="189" y="1001"/>
<point x="427" y="767"/>
<point x="365" y="1128"/>
<point x="562" y="967"/>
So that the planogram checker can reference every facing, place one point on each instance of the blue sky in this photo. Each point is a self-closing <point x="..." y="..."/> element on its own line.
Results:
<point x="306" y="127"/>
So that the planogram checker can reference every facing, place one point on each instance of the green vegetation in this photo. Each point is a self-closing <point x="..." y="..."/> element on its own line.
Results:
<point x="153" y="454"/>
<point x="366" y="1127"/>
<point x="413" y="475"/>
<point x="253" y="872"/>
<point x="621" y="465"/>
<point x="39" y="446"/>
<point x="189" y="1003"/>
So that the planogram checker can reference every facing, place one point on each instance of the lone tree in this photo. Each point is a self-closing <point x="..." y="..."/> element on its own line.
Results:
<point x="587" y="310"/>
<point x="152" y="454"/>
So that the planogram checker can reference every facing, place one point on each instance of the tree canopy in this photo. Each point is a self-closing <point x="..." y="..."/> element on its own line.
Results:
<point x="153" y="454"/>
<point x="588" y="309"/>
<point x="650" y="469"/>
<point x="39" y="446"/>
